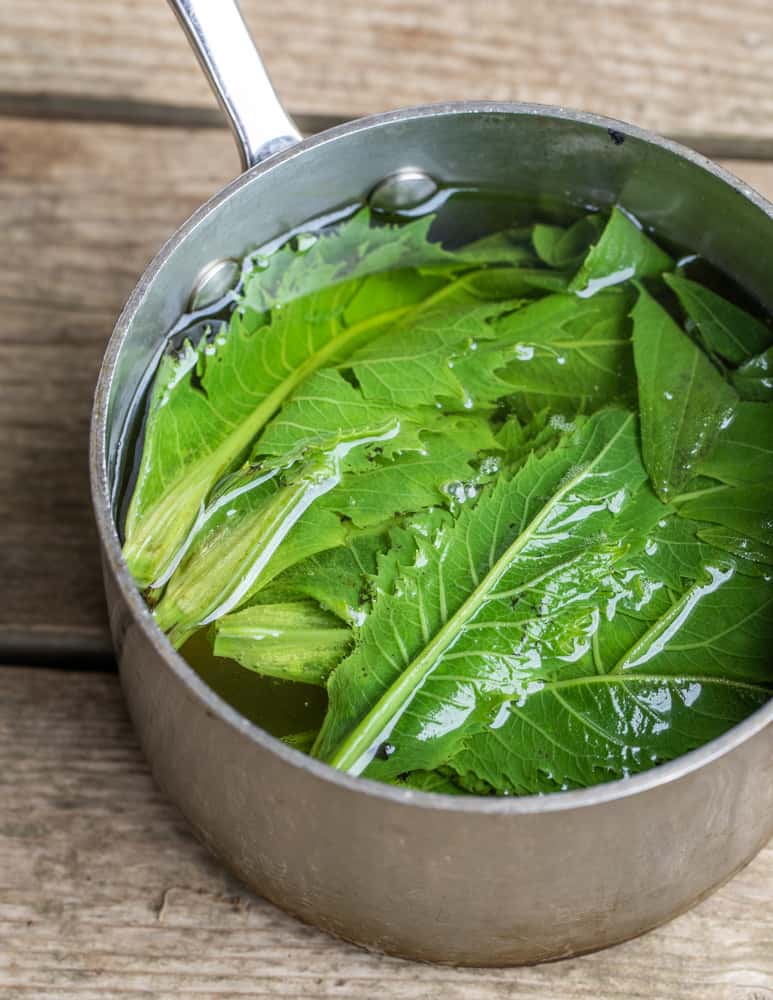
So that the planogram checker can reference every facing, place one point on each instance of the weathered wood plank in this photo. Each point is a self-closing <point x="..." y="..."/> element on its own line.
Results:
<point x="104" y="892"/>
<point x="691" y="69"/>
<point x="82" y="209"/>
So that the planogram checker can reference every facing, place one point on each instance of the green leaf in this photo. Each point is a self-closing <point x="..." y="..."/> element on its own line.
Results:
<point x="672" y="663"/>
<point x="559" y="247"/>
<point x="565" y="352"/>
<point x="460" y="595"/>
<point x="325" y="407"/>
<point x="622" y="253"/>
<point x="233" y="384"/>
<point x="509" y="247"/>
<point x="695" y="672"/>
<point x="725" y="330"/>
<point x="744" y="449"/>
<point x="336" y="578"/>
<point x="399" y="474"/>
<point x="232" y="556"/>
<point x="519" y="439"/>
<point x="418" y="480"/>
<point x="565" y="659"/>
<point x="683" y="400"/>
<point x="741" y="521"/>
<point x="441" y="782"/>
<point x="292" y="642"/>
<point x="746" y="510"/>
<point x="329" y="453"/>
<point x="419" y="364"/>
<point x="753" y="381"/>
<point x="750" y="549"/>
<point x="354" y="249"/>
<point x="501" y="283"/>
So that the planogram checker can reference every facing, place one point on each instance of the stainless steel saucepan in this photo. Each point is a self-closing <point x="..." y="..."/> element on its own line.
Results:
<point x="463" y="880"/>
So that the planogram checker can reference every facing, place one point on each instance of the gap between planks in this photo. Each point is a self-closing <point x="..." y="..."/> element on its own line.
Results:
<point x="87" y="108"/>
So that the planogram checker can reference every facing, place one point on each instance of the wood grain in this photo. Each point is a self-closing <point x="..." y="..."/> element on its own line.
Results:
<point x="82" y="209"/>
<point x="105" y="893"/>
<point x="690" y="69"/>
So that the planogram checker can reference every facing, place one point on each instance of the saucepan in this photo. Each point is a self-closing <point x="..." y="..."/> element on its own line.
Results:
<point x="467" y="880"/>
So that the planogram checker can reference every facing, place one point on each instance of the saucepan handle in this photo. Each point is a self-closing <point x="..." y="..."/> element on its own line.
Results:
<point x="224" y="47"/>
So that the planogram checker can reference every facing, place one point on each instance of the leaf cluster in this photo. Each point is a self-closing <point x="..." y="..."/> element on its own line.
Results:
<point x="509" y="505"/>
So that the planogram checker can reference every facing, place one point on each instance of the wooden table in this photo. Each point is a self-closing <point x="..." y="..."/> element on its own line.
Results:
<point x="108" y="139"/>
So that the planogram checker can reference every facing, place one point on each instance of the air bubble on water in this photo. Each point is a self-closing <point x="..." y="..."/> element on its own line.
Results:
<point x="490" y="465"/>
<point x="726" y="421"/>
<point x="356" y="616"/>
<point x="559" y="422"/>
<point x="524" y="352"/>
<point x="455" y="490"/>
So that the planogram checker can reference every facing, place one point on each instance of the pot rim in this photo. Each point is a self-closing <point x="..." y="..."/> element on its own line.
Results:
<point x="607" y="792"/>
